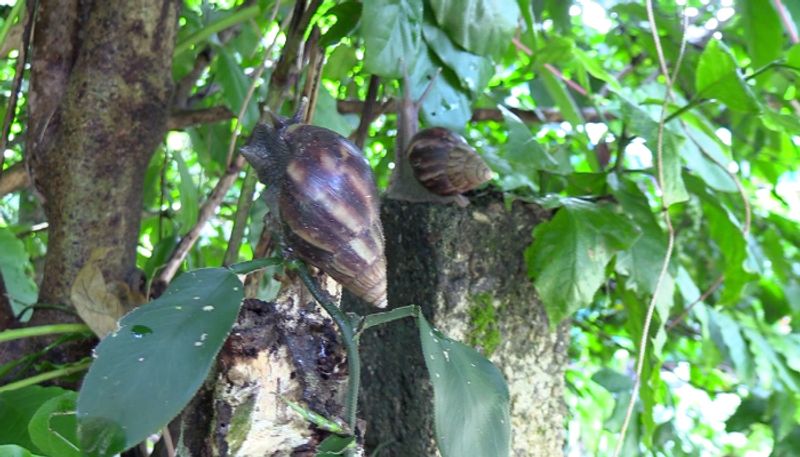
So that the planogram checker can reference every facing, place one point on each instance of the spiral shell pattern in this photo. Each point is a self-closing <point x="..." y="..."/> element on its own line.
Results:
<point x="444" y="163"/>
<point x="330" y="207"/>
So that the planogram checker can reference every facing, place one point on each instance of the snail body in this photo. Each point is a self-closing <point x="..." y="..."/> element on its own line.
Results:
<point x="323" y="191"/>
<point x="444" y="163"/>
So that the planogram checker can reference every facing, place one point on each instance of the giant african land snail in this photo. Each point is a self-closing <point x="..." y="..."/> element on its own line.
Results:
<point x="433" y="165"/>
<point x="321" y="187"/>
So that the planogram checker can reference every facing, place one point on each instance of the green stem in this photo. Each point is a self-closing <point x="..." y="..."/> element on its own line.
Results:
<point x="376" y="319"/>
<point x="349" y="339"/>
<point x="243" y="268"/>
<point x="29" y="332"/>
<point x="692" y="104"/>
<point x="10" y="20"/>
<point x="242" y="212"/>
<point x="204" y="33"/>
<point x="65" y="371"/>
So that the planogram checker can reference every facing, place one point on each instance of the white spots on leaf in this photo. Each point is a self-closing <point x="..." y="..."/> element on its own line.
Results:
<point x="141" y="359"/>
<point x="198" y="343"/>
<point x="178" y="307"/>
<point x="196" y="298"/>
<point x="437" y="375"/>
<point x="208" y="308"/>
<point x="446" y="356"/>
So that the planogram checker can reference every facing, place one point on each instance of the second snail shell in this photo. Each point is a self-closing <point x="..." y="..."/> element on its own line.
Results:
<point x="444" y="163"/>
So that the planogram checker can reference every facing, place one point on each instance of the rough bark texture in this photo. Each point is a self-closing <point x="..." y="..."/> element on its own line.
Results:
<point x="456" y="262"/>
<point x="111" y="117"/>
<point x="283" y="350"/>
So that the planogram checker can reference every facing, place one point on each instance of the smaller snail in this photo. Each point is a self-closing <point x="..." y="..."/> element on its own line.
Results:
<point x="444" y="163"/>
<point x="322" y="190"/>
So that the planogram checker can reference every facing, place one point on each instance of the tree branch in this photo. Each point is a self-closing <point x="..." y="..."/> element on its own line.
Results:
<point x="539" y="116"/>
<point x="179" y="120"/>
<point x="14" y="178"/>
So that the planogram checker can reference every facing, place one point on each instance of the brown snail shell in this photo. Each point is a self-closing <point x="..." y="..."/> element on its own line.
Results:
<point x="444" y="163"/>
<point x="327" y="200"/>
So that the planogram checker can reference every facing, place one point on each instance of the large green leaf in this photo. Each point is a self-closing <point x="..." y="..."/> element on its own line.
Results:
<point x="470" y="398"/>
<point x="392" y="31"/>
<point x="148" y="369"/>
<point x="473" y="71"/>
<point x="717" y="76"/>
<point x="484" y="27"/>
<point x="54" y="427"/>
<point x="446" y="104"/>
<point x="14" y="265"/>
<point x="17" y="407"/>
<point x="569" y="254"/>
<point x="763" y="30"/>
<point x="643" y="260"/>
<point x="558" y="91"/>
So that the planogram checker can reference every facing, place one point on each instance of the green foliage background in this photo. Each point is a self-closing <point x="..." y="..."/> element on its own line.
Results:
<point x="574" y="91"/>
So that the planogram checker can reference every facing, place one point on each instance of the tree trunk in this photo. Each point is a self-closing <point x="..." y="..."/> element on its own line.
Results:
<point x="284" y="350"/>
<point x="465" y="268"/>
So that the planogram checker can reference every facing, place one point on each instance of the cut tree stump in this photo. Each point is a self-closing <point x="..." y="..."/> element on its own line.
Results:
<point x="465" y="267"/>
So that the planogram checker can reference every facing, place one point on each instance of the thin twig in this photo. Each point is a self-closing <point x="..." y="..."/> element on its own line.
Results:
<point x="787" y="22"/>
<point x="168" y="441"/>
<point x="648" y="320"/>
<point x="680" y="317"/>
<point x="360" y="136"/>
<point x="252" y="88"/>
<point x="19" y="71"/>
<point x="207" y="210"/>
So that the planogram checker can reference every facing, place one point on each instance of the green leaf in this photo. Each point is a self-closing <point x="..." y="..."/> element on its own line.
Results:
<point x="446" y="104"/>
<point x="752" y="409"/>
<point x="594" y="67"/>
<point x="327" y="115"/>
<point x="569" y="254"/>
<point x="718" y="77"/>
<point x="524" y="153"/>
<point x="642" y="261"/>
<point x="347" y="16"/>
<point x="235" y="85"/>
<point x="12" y="450"/>
<point x="473" y="71"/>
<point x="392" y="31"/>
<point x="763" y="30"/>
<point x="135" y="386"/>
<point x="613" y="381"/>
<point x="558" y="91"/>
<point x="484" y="27"/>
<point x="54" y="428"/>
<point x="558" y="49"/>
<point x="17" y="407"/>
<point x="335" y="445"/>
<point x="14" y="267"/>
<point x="735" y="345"/>
<point x="189" y="196"/>
<point x="340" y="63"/>
<point x="642" y="124"/>
<point x="704" y="155"/>
<point x="470" y="397"/>
<point x="778" y="122"/>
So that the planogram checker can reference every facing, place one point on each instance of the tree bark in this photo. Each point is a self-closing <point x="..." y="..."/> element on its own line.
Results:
<point x="284" y="350"/>
<point x="100" y="88"/>
<point x="465" y="268"/>
<point x="110" y="119"/>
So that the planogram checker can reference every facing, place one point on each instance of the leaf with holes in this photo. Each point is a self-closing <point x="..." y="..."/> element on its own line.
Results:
<point x="135" y="386"/>
<point x="470" y="397"/>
